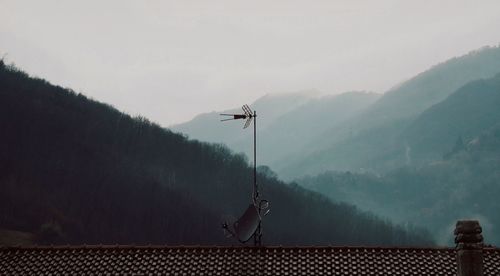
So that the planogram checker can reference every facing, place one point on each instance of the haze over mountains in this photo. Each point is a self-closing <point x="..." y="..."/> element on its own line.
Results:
<point x="365" y="132"/>
<point x="463" y="184"/>
<point x="287" y="122"/>
<point x="377" y="143"/>
<point x="416" y="154"/>
<point x="73" y="170"/>
<point x="207" y="127"/>
<point x="423" y="155"/>
<point x="462" y="116"/>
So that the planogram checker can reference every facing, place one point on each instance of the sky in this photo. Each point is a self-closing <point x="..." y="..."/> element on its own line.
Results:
<point x="170" y="60"/>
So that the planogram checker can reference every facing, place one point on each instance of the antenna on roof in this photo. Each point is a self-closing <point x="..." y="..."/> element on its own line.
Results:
<point x="250" y="223"/>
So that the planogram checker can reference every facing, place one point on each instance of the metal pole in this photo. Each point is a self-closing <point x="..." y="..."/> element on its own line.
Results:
<point x="258" y="234"/>
<point x="255" y="196"/>
<point x="255" y="188"/>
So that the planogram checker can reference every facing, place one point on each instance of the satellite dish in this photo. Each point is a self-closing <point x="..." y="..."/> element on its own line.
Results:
<point x="246" y="226"/>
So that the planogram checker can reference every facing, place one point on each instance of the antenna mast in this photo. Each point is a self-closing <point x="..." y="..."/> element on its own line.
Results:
<point x="251" y="221"/>
<point x="257" y="237"/>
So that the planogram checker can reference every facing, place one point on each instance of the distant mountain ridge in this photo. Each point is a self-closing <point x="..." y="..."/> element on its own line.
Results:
<point x="451" y="169"/>
<point x="207" y="127"/>
<point x="286" y="122"/>
<point x="435" y="84"/>
<point x="375" y="141"/>
<point x="316" y="136"/>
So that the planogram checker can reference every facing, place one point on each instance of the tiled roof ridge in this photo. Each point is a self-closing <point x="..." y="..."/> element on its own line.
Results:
<point x="229" y="247"/>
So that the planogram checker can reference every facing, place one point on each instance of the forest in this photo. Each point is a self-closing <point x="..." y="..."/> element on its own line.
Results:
<point x="73" y="170"/>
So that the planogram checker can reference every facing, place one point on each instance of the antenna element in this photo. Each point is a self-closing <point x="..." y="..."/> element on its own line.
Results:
<point x="250" y="224"/>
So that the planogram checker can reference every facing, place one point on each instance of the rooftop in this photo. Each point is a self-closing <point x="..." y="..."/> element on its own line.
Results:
<point x="214" y="260"/>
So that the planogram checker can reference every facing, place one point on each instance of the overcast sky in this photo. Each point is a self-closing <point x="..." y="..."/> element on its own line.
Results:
<point x="170" y="60"/>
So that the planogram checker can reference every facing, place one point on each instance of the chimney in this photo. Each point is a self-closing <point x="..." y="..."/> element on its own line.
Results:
<point x="469" y="247"/>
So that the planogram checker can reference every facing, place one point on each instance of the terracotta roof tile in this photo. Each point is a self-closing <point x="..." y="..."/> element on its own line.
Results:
<point x="199" y="260"/>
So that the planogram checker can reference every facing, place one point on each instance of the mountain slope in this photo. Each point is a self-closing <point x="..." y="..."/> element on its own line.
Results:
<point x="472" y="109"/>
<point x="73" y="170"/>
<point x="375" y="143"/>
<point x="295" y="130"/>
<point x="463" y="185"/>
<point x="432" y="86"/>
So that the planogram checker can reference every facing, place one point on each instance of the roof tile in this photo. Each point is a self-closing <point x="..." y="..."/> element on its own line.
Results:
<point x="189" y="260"/>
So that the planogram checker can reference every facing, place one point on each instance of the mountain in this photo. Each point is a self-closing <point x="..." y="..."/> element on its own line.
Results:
<point x="207" y="126"/>
<point x="73" y="170"/>
<point x="462" y="185"/>
<point x="455" y="156"/>
<point x="412" y="97"/>
<point x="286" y="123"/>
<point x="374" y="143"/>
<point x="294" y="130"/>
<point x="463" y="115"/>
<point x="452" y="169"/>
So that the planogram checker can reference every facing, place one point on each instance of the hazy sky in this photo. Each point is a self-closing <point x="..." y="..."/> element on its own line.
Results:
<point x="169" y="60"/>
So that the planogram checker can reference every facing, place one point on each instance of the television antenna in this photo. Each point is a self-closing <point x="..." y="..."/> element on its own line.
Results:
<point x="250" y="223"/>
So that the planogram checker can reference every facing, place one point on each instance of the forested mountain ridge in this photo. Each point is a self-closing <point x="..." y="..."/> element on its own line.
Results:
<point x="462" y="184"/>
<point x="415" y="95"/>
<point x="73" y="170"/>
<point x="472" y="109"/>
<point x="374" y="142"/>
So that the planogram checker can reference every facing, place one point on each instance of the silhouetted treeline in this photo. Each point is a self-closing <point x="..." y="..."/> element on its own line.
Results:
<point x="73" y="170"/>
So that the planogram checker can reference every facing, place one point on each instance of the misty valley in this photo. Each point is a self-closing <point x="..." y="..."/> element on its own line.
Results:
<point x="421" y="155"/>
<point x="358" y="168"/>
<point x="228" y="138"/>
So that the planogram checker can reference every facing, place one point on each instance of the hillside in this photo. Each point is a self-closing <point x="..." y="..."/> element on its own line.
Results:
<point x="432" y="86"/>
<point x="295" y="130"/>
<point x="462" y="116"/>
<point x="73" y="170"/>
<point x="462" y="185"/>
<point x="375" y="143"/>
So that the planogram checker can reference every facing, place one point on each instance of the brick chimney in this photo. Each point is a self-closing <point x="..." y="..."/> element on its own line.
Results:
<point x="469" y="246"/>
